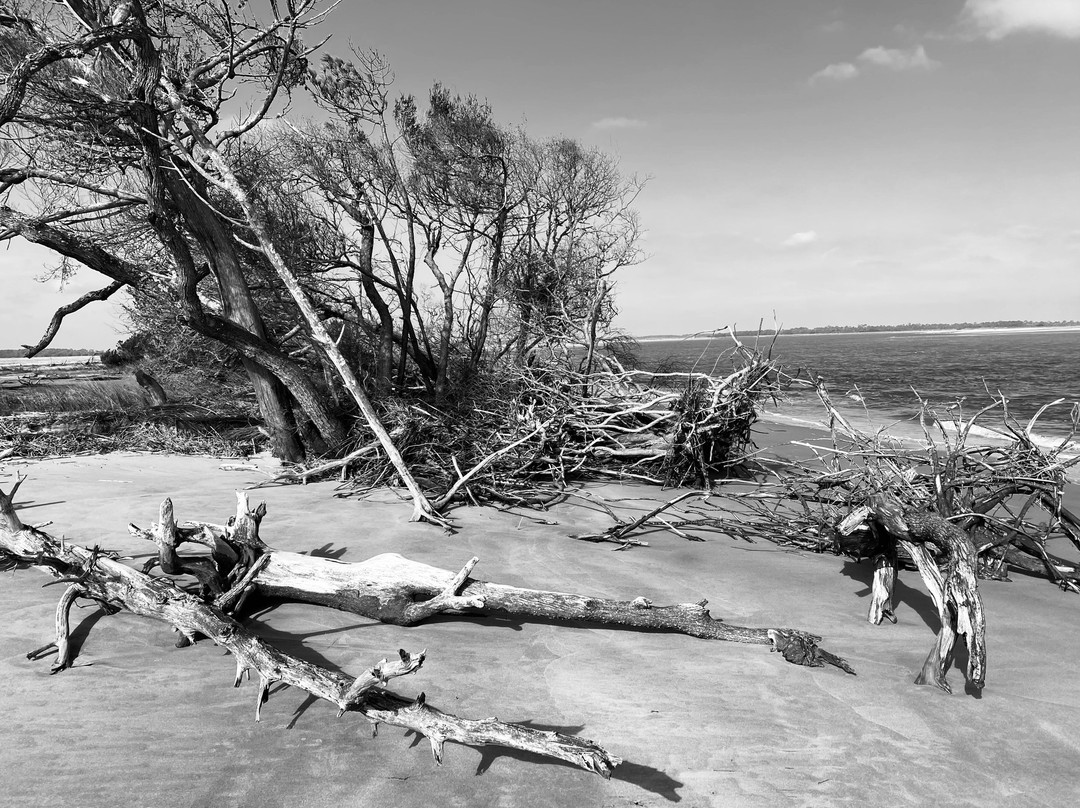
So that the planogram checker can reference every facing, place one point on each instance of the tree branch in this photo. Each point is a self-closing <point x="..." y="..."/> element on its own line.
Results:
<point x="71" y="308"/>
<point x="17" y="80"/>
<point x="65" y="242"/>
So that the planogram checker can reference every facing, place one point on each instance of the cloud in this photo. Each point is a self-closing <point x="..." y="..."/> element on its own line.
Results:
<point x="619" y="123"/>
<point x="897" y="59"/>
<point x="889" y="58"/>
<point x="995" y="19"/>
<point x="841" y="71"/>
<point x="800" y="239"/>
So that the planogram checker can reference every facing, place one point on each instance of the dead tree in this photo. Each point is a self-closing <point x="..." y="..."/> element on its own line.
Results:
<point x="929" y="540"/>
<point x="400" y="591"/>
<point x="99" y="576"/>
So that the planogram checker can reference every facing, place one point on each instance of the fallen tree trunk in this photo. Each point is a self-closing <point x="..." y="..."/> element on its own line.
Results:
<point x="98" y="576"/>
<point x="400" y="591"/>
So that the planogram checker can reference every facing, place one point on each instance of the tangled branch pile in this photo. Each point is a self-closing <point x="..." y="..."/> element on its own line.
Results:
<point x="1002" y="489"/>
<point x="522" y="434"/>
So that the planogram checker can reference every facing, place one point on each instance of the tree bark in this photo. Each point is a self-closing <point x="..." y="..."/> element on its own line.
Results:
<point x="238" y="307"/>
<point x="384" y="348"/>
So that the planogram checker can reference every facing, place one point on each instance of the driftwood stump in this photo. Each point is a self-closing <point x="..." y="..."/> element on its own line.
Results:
<point x="926" y="537"/>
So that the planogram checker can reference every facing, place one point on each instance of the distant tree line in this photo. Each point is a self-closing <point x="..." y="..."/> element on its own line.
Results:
<point x="863" y="328"/>
<point x="18" y="353"/>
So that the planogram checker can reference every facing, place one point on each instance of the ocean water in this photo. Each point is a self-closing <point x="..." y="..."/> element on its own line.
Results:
<point x="877" y="378"/>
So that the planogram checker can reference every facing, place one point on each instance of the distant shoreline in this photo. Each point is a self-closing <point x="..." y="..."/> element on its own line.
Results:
<point x="958" y="329"/>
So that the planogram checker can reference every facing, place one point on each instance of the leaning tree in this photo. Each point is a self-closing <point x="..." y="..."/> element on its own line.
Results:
<point x="148" y="100"/>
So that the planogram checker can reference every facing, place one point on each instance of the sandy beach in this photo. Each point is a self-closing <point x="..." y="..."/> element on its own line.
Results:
<point x="138" y="722"/>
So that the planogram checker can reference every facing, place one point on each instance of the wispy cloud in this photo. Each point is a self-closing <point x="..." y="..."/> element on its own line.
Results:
<point x="995" y="19"/>
<point x="800" y="239"/>
<point x="899" y="59"/>
<point x="619" y="123"/>
<point x="841" y="71"/>
<point x="896" y="59"/>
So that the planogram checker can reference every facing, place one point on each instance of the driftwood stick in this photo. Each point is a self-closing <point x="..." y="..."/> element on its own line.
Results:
<point x="305" y="474"/>
<point x="384" y="671"/>
<point x="440" y="727"/>
<point x="168" y="537"/>
<point x="446" y="498"/>
<point x="233" y="600"/>
<point x="618" y="532"/>
<point x="63" y="628"/>
<point x="447" y="600"/>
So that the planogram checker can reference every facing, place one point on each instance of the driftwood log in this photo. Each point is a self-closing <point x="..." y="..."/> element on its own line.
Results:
<point x="400" y="591"/>
<point x="101" y="577"/>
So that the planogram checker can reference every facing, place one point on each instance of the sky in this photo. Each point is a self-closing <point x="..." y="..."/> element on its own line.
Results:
<point x="809" y="162"/>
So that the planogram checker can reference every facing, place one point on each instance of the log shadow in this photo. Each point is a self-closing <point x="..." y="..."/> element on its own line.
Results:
<point x="295" y="643"/>
<point x="30" y="503"/>
<point x="648" y="778"/>
<point x="302" y="708"/>
<point x="326" y="551"/>
<point x="489" y="754"/>
<point x="915" y="599"/>
<point x="492" y="620"/>
<point x="77" y="636"/>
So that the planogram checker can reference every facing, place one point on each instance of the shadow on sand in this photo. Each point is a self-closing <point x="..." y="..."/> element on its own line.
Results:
<point x="915" y="599"/>
<point x="645" y="777"/>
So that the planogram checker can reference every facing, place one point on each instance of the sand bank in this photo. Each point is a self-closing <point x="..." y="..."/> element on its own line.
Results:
<point x="141" y="723"/>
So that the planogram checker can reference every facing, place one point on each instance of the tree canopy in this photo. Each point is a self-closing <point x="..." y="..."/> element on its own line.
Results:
<point x="386" y="246"/>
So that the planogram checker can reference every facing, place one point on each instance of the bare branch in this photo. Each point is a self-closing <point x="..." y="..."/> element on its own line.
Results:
<point x="62" y="312"/>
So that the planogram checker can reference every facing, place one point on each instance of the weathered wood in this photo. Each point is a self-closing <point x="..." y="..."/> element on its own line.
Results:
<point x="956" y="592"/>
<point x="105" y="579"/>
<point x="398" y="590"/>
<point x="881" y="596"/>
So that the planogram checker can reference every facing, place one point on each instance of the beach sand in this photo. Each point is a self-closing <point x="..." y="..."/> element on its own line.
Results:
<point x="139" y="722"/>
